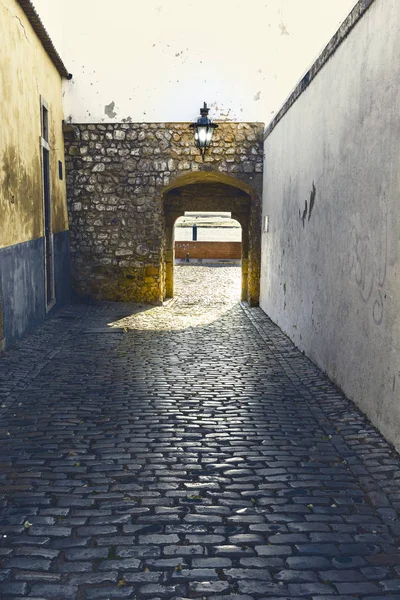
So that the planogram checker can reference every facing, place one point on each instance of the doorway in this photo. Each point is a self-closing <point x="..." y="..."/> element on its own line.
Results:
<point x="49" y="283"/>
<point x="217" y="193"/>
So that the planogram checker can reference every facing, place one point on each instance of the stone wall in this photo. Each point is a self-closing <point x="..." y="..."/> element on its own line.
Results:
<point x="116" y="178"/>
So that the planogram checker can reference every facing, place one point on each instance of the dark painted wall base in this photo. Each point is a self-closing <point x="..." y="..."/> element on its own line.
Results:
<point x="22" y="284"/>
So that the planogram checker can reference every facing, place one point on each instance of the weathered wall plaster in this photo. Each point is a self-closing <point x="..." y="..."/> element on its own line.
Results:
<point x="330" y="260"/>
<point x="26" y="74"/>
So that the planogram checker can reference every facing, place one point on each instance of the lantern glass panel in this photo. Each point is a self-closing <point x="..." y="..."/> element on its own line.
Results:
<point x="202" y="136"/>
<point x="209" y="135"/>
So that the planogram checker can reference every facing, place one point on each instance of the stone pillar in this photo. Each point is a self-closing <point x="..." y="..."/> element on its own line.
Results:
<point x="244" y="222"/>
<point x="254" y="255"/>
<point x="170" y="253"/>
<point x="245" y="263"/>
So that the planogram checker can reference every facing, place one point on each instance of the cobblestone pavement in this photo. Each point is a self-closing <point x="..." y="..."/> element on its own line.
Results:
<point x="154" y="460"/>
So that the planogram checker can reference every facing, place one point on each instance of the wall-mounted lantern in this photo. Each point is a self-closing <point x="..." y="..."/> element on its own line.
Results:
<point x="203" y="130"/>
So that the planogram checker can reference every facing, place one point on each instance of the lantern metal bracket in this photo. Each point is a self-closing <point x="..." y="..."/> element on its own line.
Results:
<point x="203" y="130"/>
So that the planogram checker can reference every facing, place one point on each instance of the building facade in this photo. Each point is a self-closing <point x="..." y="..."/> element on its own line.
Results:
<point x="34" y="238"/>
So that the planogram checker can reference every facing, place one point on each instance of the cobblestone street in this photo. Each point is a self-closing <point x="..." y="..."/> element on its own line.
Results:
<point x="187" y="451"/>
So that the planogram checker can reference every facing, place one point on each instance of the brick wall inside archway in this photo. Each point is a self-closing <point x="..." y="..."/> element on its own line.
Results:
<point x="117" y="179"/>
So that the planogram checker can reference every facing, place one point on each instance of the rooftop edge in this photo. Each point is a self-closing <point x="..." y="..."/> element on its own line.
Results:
<point x="40" y="30"/>
<point x="345" y="28"/>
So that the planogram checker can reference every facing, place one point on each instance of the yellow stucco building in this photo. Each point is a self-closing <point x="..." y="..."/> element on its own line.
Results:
<point x="34" y="242"/>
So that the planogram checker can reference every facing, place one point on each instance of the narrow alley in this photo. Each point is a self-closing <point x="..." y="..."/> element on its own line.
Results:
<point x="187" y="451"/>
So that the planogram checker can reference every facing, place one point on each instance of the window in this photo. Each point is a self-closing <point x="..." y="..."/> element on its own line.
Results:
<point x="45" y="121"/>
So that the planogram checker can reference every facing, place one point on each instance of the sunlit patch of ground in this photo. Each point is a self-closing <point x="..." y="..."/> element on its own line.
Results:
<point x="202" y="295"/>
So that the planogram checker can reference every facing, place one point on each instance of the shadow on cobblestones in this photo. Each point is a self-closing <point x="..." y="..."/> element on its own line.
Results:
<point x="206" y="461"/>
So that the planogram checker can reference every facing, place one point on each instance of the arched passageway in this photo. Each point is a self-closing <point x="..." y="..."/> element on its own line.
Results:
<point x="207" y="191"/>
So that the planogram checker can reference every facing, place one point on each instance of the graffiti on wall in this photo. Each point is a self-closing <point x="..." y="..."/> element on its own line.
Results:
<point x="368" y="267"/>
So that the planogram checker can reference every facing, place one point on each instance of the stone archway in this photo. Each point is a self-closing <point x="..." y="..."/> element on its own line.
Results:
<point x="125" y="183"/>
<point x="210" y="191"/>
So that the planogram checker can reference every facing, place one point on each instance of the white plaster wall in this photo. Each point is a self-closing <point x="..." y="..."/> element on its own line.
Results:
<point x="333" y="284"/>
<point x="159" y="60"/>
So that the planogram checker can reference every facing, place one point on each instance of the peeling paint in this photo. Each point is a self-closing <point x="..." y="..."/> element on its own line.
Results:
<point x="19" y="184"/>
<point x="308" y="209"/>
<point x="304" y="215"/>
<point x="109" y="110"/>
<point x="283" y="29"/>
<point x="312" y="200"/>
